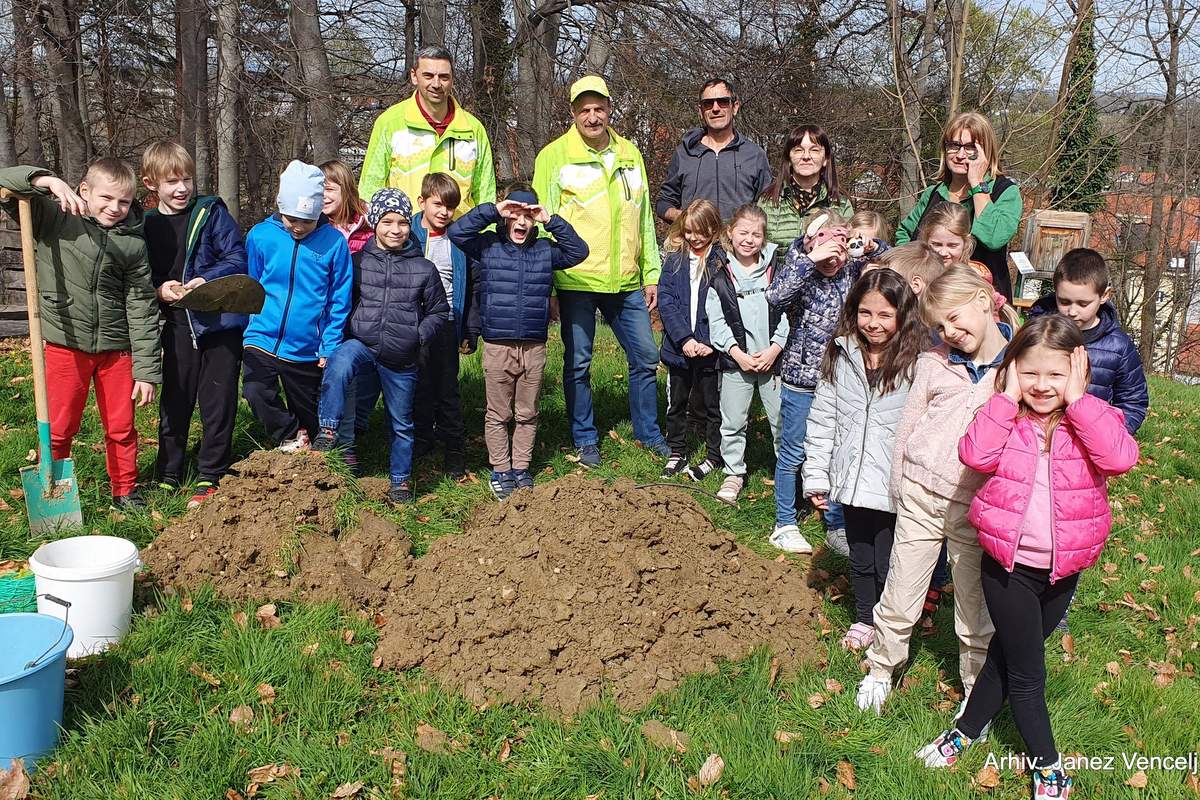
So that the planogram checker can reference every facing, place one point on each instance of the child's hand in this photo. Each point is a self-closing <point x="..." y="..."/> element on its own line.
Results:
<point x="829" y="250"/>
<point x="766" y="358"/>
<point x="746" y="362"/>
<point x="171" y="291"/>
<point x="68" y="201"/>
<point x="192" y="284"/>
<point x="1012" y="383"/>
<point x="703" y="350"/>
<point x="553" y="309"/>
<point x="1078" y="379"/>
<point x="143" y="393"/>
<point x="540" y="214"/>
<point x="509" y="208"/>
<point x="467" y="347"/>
<point x="321" y="362"/>
<point x="820" y="502"/>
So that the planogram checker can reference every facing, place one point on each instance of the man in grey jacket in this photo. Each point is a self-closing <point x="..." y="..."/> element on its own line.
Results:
<point x="714" y="162"/>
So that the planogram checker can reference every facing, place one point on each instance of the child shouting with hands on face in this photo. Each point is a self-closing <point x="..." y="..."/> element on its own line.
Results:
<point x="514" y="274"/>
<point x="749" y="335"/>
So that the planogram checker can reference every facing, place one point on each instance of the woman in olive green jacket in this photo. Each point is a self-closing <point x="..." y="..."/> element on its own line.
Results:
<point x="805" y="185"/>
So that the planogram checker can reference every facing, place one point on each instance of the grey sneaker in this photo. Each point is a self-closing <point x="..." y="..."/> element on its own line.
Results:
<point x="835" y="539"/>
<point x="589" y="455"/>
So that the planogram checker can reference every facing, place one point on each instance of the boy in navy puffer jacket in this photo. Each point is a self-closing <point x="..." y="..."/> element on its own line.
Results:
<point x="303" y="263"/>
<point x="1081" y="292"/>
<point x="399" y="306"/>
<point x="514" y="276"/>
<point x="191" y="240"/>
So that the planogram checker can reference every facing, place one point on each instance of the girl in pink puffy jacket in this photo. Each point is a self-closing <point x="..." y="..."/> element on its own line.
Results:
<point x="1049" y="449"/>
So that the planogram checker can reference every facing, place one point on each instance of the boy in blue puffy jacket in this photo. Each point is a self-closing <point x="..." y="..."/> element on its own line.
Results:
<point x="303" y="263"/>
<point x="1081" y="292"/>
<point x="191" y="240"/>
<point x="399" y="307"/>
<point x="511" y="309"/>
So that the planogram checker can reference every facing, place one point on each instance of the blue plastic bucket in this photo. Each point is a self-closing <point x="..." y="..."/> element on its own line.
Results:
<point x="33" y="672"/>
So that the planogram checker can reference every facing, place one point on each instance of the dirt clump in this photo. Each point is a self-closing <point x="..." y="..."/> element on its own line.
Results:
<point x="271" y="533"/>
<point x="575" y="586"/>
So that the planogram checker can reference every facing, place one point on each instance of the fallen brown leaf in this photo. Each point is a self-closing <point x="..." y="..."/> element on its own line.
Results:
<point x="342" y="738"/>
<point x="202" y="674"/>
<point x="347" y="790"/>
<point x="186" y="605"/>
<point x="660" y="735"/>
<point x="268" y="616"/>
<point x="266" y="693"/>
<point x="845" y="775"/>
<point x="1138" y="780"/>
<point x="815" y="701"/>
<point x="786" y="737"/>
<point x="710" y="773"/>
<point x="240" y="718"/>
<point x="1068" y="646"/>
<point x="311" y="649"/>
<point x="4" y="506"/>
<point x="16" y="494"/>
<point x="348" y="636"/>
<point x="14" y="781"/>
<point x="987" y="778"/>
<point x="505" y="751"/>
<point x="833" y="686"/>
<point x="240" y="619"/>
<point x="432" y="740"/>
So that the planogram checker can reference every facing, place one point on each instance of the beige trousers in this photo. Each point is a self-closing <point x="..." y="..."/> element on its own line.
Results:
<point x="512" y="381"/>
<point x="923" y="521"/>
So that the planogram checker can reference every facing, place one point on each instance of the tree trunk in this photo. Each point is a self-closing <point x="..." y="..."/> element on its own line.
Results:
<point x="911" y="85"/>
<point x="492" y="60"/>
<point x="433" y="23"/>
<point x="228" y="88"/>
<point x="55" y="28"/>
<point x="192" y="81"/>
<point x="253" y="161"/>
<point x="30" y="149"/>
<point x="410" y="37"/>
<point x="599" y="49"/>
<point x="537" y="85"/>
<point x="955" y="37"/>
<point x="315" y="80"/>
<point x="1083" y="12"/>
<point x="8" y="147"/>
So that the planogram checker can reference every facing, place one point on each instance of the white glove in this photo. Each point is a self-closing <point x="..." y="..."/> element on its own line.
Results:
<point x="872" y="693"/>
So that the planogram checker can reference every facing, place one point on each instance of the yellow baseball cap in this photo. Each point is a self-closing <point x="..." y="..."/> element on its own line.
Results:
<point x="589" y="83"/>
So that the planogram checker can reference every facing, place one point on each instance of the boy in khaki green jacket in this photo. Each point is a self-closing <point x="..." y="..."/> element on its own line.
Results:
<point x="98" y="309"/>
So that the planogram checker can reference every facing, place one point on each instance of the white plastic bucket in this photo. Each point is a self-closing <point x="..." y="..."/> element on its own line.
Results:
<point x="95" y="575"/>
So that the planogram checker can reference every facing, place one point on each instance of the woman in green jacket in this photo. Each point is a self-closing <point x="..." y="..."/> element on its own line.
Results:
<point x="970" y="176"/>
<point x="805" y="184"/>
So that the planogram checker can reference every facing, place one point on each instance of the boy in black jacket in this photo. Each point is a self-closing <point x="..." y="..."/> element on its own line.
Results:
<point x="399" y="305"/>
<point x="512" y="310"/>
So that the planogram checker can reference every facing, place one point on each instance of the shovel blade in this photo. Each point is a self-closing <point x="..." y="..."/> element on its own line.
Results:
<point x="55" y="507"/>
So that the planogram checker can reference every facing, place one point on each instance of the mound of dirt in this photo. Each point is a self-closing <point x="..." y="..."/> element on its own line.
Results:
<point x="271" y="533"/>
<point x="576" y="585"/>
<point x="561" y="591"/>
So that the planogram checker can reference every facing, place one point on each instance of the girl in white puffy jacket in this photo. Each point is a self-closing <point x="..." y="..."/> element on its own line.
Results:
<point x="865" y="377"/>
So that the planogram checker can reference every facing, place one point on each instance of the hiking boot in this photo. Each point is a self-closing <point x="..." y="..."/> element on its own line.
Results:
<point x="589" y="456"/>
<point x="731" y="487"/>
<point x="502" y="485"/>
<point x="872" y="693"/>
<point x="835" y="540"/>
<point x="400" y="494"/>
<point x="523" y="478"/>
<point x="1051" y="782"/>
<point x="295" y="444"/>
<point x="659" y="448"/>
<point x="944" y="751"/>
<point x="202" y="491"/>
<point x="675" y="466"/>
<point x="325" y="440"/>
<point x="702" y="470"/>
<point x="455" y="464"/>
<point x="128" y="502"/>
<point x="789" y="539"/>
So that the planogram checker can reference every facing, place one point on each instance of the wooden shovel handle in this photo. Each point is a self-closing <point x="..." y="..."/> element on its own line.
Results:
<point x="36" y="345"/>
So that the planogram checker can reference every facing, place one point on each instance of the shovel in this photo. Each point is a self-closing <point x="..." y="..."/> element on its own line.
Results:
<point x="51" y="492"/>
<point x="235" y="294"/>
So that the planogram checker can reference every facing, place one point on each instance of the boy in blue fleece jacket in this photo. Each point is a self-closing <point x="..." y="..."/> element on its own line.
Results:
<point x="303" y="263"/>
<point x="191" y="240"/>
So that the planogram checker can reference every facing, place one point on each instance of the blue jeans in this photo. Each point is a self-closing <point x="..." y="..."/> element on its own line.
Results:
<point x="793" y="423"/>
<point x="626" y="313"/>
<point x="360" y="398"/>
<point x="399" y="387"/>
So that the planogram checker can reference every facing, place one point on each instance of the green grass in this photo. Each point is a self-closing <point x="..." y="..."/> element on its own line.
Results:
<point x="146" y="719"/>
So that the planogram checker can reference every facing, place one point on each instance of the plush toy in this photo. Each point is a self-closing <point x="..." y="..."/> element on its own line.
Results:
<point x="857" y="246"/>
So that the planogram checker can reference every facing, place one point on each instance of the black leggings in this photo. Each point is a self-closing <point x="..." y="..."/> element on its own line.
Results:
<point x="869" y="534"/>
<point x="1025" y="607"/>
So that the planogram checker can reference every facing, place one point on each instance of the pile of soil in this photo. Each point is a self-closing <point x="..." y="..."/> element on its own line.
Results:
<point x="562" y="591"/>
<point x="271" y="533"/>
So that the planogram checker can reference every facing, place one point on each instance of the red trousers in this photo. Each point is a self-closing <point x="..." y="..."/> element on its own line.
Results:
<point x="69" y="375"/>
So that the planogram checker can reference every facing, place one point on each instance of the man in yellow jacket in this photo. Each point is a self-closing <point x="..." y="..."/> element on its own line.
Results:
<point x="430" y="132"/>
<point x="596" y="181"/>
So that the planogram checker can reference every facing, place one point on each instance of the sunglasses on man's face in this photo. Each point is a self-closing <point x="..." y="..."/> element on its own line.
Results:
<point x="709" y="103"/>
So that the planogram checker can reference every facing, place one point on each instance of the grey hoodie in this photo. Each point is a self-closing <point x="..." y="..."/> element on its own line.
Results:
<point x="733" y="177"/>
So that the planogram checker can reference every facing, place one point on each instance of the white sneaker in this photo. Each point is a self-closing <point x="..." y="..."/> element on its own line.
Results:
<point x="297" y="444"/>
<point x="835" y="538"/>
<point x="872" y="693"/>
<point x="731" y="487"/>
<point x="945" y="750"/>
<point x="962" y="708"/>
<point x="789" y="539"/>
